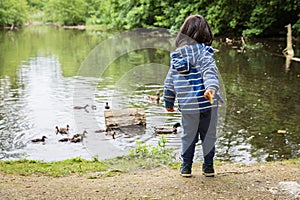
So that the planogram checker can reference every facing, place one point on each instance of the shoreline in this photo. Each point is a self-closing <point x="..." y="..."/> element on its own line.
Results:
<point x="270" y="180"/>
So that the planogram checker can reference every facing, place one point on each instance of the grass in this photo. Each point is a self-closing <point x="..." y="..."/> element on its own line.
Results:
<point x="60" y="168"/>
<point x="142" y="157"/>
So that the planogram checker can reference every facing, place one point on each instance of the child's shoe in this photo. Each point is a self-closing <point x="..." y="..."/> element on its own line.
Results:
<point x="186" y="170"/>
<point x="208" y="170"/>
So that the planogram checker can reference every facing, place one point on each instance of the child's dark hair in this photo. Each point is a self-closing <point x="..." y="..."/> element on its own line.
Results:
<point x="195" y="29"/>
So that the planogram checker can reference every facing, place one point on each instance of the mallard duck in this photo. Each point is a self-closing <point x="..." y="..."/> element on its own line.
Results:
<point x="100" y="131"/>
<point x="64" y="139"/>
<point x="79" y="135"/>
<point x="155" y="98"/>
<point x="111" y="133"/>
<point x="107" y="106"/>
<point x="62" y="130"/>
<point x="167" y="129"/>
<point x="39" y="139"/>
<point x="76" y="139"/>
<point x="81" y="107"/>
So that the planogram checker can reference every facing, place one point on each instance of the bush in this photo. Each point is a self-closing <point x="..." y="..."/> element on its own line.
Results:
<point x="66" y="12"/>
<point x="13" y="12"/>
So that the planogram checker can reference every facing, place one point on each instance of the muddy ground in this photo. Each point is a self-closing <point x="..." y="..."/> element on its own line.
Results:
<point x="233" y="181"/>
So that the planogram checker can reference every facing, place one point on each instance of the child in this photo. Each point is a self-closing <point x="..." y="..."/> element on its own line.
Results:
<point x="193" y="80"/>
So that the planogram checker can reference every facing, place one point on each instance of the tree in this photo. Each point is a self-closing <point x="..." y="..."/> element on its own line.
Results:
<point x="67" y="12"/>
<point x="13" y="12"/>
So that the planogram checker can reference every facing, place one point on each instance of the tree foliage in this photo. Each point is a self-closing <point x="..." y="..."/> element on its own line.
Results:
<point x="13" y="12"/>
<point x="227" y="17"/>
<point x="67" y="12"/>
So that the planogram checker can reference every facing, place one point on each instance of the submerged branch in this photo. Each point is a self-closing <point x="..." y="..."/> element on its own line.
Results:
<point x="289" y="51"/>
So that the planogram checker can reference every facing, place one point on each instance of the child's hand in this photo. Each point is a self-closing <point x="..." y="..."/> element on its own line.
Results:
<point x="209" y="95"/>
<point x="170" y="109"/>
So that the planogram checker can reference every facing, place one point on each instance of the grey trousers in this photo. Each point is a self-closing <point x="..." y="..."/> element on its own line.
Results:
<point x="203" y="125"/>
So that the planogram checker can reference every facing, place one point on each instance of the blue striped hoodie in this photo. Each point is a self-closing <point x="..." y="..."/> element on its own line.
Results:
<point x="193" y="70"/>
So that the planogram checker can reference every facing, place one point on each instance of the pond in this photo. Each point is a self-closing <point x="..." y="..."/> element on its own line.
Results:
<point x="45" y="71"/>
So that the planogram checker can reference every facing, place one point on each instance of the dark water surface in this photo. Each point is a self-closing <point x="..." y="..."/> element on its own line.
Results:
<point x="46" y="71"/>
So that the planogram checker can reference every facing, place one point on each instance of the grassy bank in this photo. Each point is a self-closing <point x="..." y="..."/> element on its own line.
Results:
<point x="142" y="157"/>
<point x="123" y="164"/>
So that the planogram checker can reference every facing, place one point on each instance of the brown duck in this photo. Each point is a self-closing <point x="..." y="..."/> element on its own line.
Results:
<point x="65" y="140"/>
<point x="155" y="98"/>
<point x="167" y="129"/>
<point x="62" y="130"/>
<point x="80" y="135"/>
<point x="81" y="107"/>
<point x="39" y="139"/>
<point x="111" y="133"/>
<point x="76" y="139"/>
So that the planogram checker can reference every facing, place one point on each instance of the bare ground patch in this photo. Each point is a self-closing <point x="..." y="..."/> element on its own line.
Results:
<point x="257" y="181"/>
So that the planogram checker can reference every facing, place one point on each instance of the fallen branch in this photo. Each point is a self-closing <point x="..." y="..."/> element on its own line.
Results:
<point x="236" y="172"/>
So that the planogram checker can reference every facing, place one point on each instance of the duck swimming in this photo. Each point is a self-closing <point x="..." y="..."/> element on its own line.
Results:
<point x="167" y="129"/>
<point x="64" y="139"/>
<point x="76" y="139"/>
<point x="39" y="139"/>
<point x="62" y="130"/>
<point x="107" y="106"/>
<point x="111" y="133"/>
<point x="81" y="107"/>
<point x="155" y="98"/>
<point x="79" y="135"/>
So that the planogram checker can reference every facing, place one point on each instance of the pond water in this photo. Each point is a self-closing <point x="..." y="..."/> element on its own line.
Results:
<point x="45" y="71"/>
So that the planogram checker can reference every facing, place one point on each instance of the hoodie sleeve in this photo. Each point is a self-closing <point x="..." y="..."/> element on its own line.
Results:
<point x="209" y="69"/>
<point x="169" y="92"/>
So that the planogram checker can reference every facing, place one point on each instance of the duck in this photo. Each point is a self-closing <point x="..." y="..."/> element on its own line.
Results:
<point x="79" y="135"/>
<point x="62" y="130"/>
<point x="107" y="106"/>
<point x="76" y="139"/>
<point x="155" y="98"/>
<point x="100" y="130"/>
<point x="111" y="133"/>
<point x="64" y="139"/>
<point x="167" y="129"/>
<point x="39" y="139"/>
<point x="81" y="107"/>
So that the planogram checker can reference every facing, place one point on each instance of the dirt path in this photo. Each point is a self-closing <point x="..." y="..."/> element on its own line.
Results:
<point x="259" y="181"/>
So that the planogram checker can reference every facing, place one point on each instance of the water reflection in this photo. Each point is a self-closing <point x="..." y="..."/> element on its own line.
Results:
<point x="41" y="81"/>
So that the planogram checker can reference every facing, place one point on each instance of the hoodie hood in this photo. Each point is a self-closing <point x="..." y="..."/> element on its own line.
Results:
<point x="191" y="55"/>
